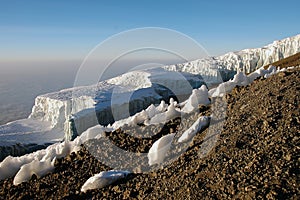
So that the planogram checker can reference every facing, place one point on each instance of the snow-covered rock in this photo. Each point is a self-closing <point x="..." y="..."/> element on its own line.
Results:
<point x="103" y="179"/>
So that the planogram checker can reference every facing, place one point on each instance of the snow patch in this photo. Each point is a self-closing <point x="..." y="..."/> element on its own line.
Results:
<point x="159" y="149"/>
<point x="198" y="96"/>
<point x="103" y="179"/>
<point x="39" y="168"/>
<point x="171" y="113"/>
<point x="199" y="124"/>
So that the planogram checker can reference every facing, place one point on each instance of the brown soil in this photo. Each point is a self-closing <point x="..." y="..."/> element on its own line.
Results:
<point x="256" y="155"/>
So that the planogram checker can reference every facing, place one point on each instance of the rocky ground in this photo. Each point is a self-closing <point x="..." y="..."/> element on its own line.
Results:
<point x="250" y="151"/>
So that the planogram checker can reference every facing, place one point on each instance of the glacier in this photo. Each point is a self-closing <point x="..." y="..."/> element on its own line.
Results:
<point x="67" y="113"/>
<point x="111" y="100"/>
<point x="247" y="60"/>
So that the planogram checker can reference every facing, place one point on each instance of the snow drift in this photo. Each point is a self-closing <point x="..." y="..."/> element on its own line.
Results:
<point x="103" y="179"/>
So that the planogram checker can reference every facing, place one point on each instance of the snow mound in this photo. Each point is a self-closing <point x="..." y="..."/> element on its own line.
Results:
<point x="159" y="149"/>
<point x="198" y="96"/>
<point x="103" y="179"/>
<point x="199" y="124"/>
<point x="39" y="168"/>
<point x="171" y="113"/>
<point x="242" y="80"/>
<point x="152" y="115"/>
<point x="142" y="117"/>
<point x="12" y="165"/>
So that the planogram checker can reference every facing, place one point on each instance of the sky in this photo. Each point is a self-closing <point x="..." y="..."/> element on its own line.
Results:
<point x="68" y="30"/>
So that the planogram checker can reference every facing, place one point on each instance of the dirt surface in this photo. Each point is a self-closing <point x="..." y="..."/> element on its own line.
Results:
<point x="293" y="60"/>
<point x="256" y="154"/>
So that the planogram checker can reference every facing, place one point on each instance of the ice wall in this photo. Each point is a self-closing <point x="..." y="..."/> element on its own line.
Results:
<point x="76" y="109"/>
<point x="57" y="110"/>
<point x="246" y="61"/>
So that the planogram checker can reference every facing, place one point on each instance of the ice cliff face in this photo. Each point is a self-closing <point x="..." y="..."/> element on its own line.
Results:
<point x="55" y="107"/>
<point x="110" y="100"/>
<point x="246" y="61"/>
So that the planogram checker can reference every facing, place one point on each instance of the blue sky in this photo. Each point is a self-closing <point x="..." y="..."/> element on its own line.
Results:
<point x="60" y="29"/>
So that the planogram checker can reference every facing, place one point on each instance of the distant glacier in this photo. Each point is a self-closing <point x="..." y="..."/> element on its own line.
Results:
<point x="67" y="113"/>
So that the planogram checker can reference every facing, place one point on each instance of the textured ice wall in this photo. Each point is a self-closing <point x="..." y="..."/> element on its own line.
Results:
<point x="105" y="115"/>
<point x="126" y="104"/>
<point x="76" y="109"/>
<point x="57" y="111"/>
<point x="247" y="60"/>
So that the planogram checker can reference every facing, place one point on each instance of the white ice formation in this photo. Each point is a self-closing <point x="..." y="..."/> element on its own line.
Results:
<point x="159" y="149"/>
<point x="246" y="61"/>
<point x="103" y="179"/>
<point x="198" y="125"/>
